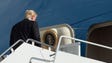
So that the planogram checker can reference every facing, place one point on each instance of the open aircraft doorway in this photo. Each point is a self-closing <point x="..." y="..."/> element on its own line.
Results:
<point x="100" y="33"/>
<point x="51" y="34"/>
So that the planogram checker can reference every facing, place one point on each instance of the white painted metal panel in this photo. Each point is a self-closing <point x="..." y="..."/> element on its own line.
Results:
<point x="62" y="57"/>
<point x="25" y="52"/>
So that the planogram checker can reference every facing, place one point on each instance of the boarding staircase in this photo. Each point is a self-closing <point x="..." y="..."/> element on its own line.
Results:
<point x="29" y="53"/>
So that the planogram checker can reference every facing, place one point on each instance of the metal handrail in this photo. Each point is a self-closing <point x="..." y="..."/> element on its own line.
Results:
<point x="88" y="42"/>
<point x="20" y="40"/>
<point x="42" y="43"/>
<point x="34" y="58"/>
<point x="95" y="44"/>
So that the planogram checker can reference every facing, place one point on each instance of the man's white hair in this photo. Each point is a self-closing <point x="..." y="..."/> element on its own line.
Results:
<point x="30" y="13"/>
